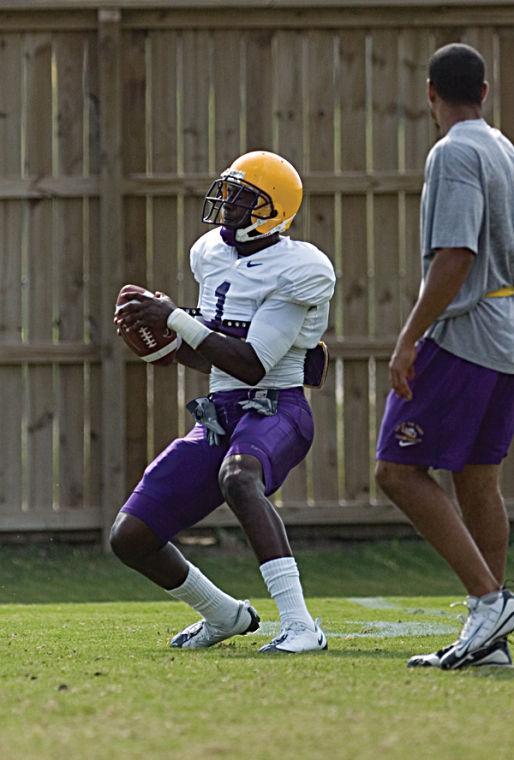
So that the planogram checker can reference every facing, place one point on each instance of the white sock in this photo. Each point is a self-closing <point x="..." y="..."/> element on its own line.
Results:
<point x="203" y="596"/>
<point x="282" y="579"/>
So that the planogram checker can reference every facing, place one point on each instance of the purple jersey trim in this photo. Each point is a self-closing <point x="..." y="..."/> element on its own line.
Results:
<point x="233" y="328"/>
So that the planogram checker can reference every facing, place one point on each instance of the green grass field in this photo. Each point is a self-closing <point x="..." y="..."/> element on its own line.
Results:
<point x="95" y="679"/>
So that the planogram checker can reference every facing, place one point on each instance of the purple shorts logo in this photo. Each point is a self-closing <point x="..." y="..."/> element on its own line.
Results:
<point x="408" y="434"/>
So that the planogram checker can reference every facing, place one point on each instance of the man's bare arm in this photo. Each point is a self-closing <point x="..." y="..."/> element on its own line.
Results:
<point x="231" y="355"/>
<point x="446" y="275"/>
<point x="191" y="358"/>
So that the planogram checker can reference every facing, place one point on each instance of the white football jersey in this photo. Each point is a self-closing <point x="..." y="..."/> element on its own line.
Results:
<point x="233" y="288"/>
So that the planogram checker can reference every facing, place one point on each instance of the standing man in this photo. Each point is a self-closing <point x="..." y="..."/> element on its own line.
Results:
<point x="262" y="309"/>
<point x="452" y="370"/>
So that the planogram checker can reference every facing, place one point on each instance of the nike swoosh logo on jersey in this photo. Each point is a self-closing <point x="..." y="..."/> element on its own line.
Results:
<point x="253" y="263"/>
<point x="407" y="443"/>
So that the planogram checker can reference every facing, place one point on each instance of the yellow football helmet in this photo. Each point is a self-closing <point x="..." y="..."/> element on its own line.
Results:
<point x="261" y="183"/>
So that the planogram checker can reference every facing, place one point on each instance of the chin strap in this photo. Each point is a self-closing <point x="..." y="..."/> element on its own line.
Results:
<point x="232" y="236"/>
<point x="243" y="235"/>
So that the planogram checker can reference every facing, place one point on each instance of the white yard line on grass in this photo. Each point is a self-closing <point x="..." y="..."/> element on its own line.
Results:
<point x="373" y="602"/>
<point x="381" y="603"/>
<point x="376" y="629"/>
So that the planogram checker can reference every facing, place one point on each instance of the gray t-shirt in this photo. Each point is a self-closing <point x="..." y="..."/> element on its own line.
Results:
<point x="468" y="202"/>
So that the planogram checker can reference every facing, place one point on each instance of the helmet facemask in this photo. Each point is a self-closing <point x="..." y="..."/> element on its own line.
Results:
<point x="230" y="192"/>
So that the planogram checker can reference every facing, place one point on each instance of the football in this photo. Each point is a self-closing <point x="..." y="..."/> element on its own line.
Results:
<point x="151" y="346"/>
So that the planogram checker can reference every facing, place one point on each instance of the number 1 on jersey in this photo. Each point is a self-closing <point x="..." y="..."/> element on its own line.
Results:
<point x="221" y="294"/>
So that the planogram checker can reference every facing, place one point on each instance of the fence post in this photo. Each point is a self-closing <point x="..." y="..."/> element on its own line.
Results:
<point x="111" y="246"/>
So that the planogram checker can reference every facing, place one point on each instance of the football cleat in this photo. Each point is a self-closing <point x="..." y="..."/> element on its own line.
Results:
<point x="496" y="654"/>
<point x="297" y="637"/>
<point x="203" y="634"/>
<point x="485" y="624"/>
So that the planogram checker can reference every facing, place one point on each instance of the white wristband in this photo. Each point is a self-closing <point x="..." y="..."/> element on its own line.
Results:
<point x="189" y="328"/>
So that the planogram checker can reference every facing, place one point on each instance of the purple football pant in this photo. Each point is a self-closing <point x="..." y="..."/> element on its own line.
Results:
<point x="180" y="486"/>
<point x="460" y="413"/>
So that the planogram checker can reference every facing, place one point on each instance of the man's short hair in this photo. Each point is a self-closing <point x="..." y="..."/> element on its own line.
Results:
<point x="457" y="72"/>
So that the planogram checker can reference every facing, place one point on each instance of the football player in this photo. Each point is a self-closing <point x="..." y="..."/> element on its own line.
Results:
<point x="262" y="309"/>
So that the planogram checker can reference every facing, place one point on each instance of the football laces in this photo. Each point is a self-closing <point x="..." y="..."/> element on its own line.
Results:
<point x="147" y="337"/>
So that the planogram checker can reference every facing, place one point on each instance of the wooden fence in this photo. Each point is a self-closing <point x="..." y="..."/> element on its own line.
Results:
<point x="113" y="120"/>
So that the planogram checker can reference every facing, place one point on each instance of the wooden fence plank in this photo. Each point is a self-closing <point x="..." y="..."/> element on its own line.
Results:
<point x="197" y="124"/>
<point x="414" y="55"/>
<point x="506" y="37"/>
<point x="93" y="438"/>
<point x="10" y="272"/>
<point x="289" y="97"/>
<point x="326" y="485"/>
<point x="356" y="431"/>
<point x="37" y="132"/>
<point x="68" y="220"/>
<point x="324" y="455"/>
<point x="204" y="5"/>
<point x="198" y="156"/>
<point x="11" y="378"/>
<point x="10" y="104"/>
<point x="164" y="84"/>
<point x="111" y="247"/>
<point x="135" y="158"/>
<point x="483" y="40"/>
<point x="317" y="17"/>
<point x="387" y="301"/>
<point x="352" y="86"/>
<point x="38" y="104"/>
<point x="41" y="398"/>
<point x="227" y="83"/>
<point x="162" y="184"/>
<point x="165" y="273"/>
<point x="38" y="522"/>
<point x="352" y="15"/>
<point x="382" y="72"/>
<point x="257" y="47"/>
<point x="356" y="323"/>
<point x="322" y="47"/>
<point x="133" y="98"/>
<point x="195" y="384"/>
<point x="163" y="267"/>
<point x="355" y="266"/>
<point x="68" y="227"/>
<point x="412" y="279"/>
<point x="91" y="96"/>
<point x="384" y="80"/>
<point x="386" y="265"/>
<point x="11" y="472"/>
<point x="69" y="128"/>
<point x="135" y="272"/>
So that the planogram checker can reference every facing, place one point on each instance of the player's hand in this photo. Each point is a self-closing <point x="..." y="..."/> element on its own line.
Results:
<point x="150" y="311"/>
<point x="401" y="368"/>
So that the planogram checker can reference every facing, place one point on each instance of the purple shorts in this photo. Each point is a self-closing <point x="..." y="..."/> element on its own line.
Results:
<point x="460" y="413"/>
<point x="180" y="487"/>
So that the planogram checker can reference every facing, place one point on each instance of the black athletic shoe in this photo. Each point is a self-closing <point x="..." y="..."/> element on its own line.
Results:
<point x="491" y="617"/>
<point x="497" y="654"/>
